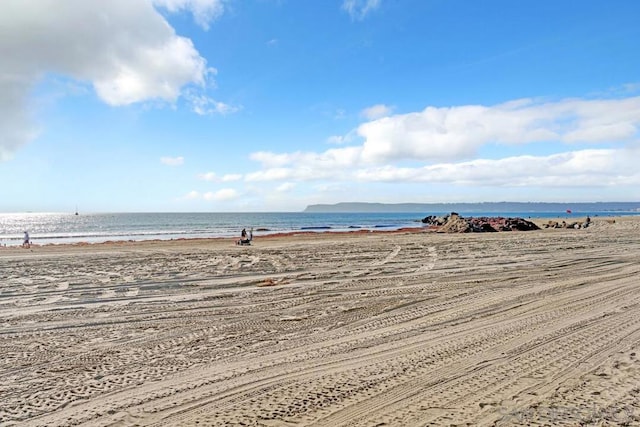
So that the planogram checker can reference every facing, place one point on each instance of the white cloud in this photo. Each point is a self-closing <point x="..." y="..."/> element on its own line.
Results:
<point x="124" y="48"/>
<point x="172" y="161"/>
<point x="457" y="132"/>
<point x="376" y="111"/>
<point x="358" y="9"/>
<point x="213" y="177"/>
<point x="342" y="139"/>
<point x="331" y="188"/>
<point x="336" y="139"/>
<point x="208" y="176"/>
<point x="203" y="11"/>
<point x="444" y="141"/>
<point x="192" y="195"/>
<point x="285" y="187"/>
<point x="271" y="160"/>
<point x="204" y="105"/>
<point x="223" y="195"/>
<point x="274" y="174"/>
<point x="15" y="123"/>
<point x="595" y="167"/>
<point x="231" y="177"/>
<point x="581" y="168"/>
<point x="329" y="159"/>
<point x="304" y="166"/>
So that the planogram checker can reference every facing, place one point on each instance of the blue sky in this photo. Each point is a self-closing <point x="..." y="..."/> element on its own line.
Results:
<point x="271" y="105"/>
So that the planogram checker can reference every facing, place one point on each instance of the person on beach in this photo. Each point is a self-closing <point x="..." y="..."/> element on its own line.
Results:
<point x="243" y="237"/>
<point x="25" y="241"/>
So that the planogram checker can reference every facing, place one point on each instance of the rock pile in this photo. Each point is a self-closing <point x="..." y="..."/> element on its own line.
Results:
<point x="454" y="223"/>
<point x="436" y="221"/>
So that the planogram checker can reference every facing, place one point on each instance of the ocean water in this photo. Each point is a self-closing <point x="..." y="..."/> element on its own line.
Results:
<point x="47" y="228"/>
<point x="55" y="228"/>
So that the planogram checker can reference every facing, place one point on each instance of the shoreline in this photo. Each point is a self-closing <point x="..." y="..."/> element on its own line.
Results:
<point x="231" y="241"/>
<point x="421" y="228"/>
<point x="57" y="229"/>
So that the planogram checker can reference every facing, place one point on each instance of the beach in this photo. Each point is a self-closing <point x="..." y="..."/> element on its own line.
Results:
<point x="398" y="328"/>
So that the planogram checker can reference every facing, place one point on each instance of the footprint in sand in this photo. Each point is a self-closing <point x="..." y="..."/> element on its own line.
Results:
<point x="108" y="294"/>
<point x="388" y="258"/>
<point x="132" y="292"/>
<point x="433" y="256"/>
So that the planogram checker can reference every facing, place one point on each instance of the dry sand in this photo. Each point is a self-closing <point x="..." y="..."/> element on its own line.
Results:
<point x="359" y="329"/>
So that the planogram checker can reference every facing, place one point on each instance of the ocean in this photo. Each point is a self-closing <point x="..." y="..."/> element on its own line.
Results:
<point x="57" y="228"/>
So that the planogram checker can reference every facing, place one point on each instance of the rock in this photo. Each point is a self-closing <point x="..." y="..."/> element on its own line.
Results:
<point x="433" y="220"/>
<point x="457" y="224"/>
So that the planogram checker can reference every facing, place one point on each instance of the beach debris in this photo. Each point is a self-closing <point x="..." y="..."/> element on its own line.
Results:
<point x="454" y="223"/>
<point x="272" y="282"/>
<point x="267" y="282"/>
<point x="574" y="224"/>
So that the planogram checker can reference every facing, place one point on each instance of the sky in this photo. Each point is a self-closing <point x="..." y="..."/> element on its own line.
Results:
<point x="273" y="105"/>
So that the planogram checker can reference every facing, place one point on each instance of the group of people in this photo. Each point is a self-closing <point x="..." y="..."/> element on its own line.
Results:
<point x="244" y="239"/>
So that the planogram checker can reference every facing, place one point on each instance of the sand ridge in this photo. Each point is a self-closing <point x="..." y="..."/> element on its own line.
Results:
<point x="358" y="329"/>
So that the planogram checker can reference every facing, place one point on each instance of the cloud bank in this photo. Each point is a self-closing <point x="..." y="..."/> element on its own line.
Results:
<point x="222" y="195"/>
<point x="596" y="141"/>
<point x="458" y="132"/>
<point x="124" y="49"/>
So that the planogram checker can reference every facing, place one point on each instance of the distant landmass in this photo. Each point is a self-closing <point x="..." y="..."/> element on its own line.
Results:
<point x="488" y="207"/>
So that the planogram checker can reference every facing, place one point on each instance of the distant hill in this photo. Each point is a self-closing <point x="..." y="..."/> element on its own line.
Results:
<point x="525" y="207"/>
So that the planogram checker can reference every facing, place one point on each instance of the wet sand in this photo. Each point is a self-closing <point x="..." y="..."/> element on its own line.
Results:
<point x="360" y="329"/>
